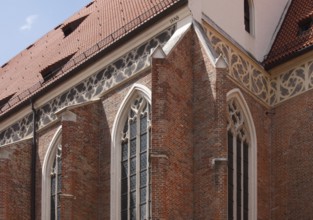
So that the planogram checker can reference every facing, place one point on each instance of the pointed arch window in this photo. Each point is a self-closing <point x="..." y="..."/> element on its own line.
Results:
<point x="56" y="184"/>
<point x="240" y="168"/>
<point x="130" y="192"/>
<point x="134" y="161"/>
<point x="52" y="179"/>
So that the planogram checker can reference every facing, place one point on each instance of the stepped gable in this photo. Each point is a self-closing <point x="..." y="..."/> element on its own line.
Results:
<point x="95" y="27"/>
<point x="295" y="35"/>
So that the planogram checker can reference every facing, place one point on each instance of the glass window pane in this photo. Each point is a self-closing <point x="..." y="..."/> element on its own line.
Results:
<point x="52" y="209"/>
<point x="143" y="161"/>
<point x="133" y="214"/>
<point x="124" y="151"/>
<point x="124" y="215"/>
<point x="124" y="202"/>
<point x="133" y="129"/>
<point x="133" y="182"/>
<point x="143" y="178"/>
<point x="143" y="142"/>
<point x="133" y="147"/>
<point x="133" y="166"/>
<point x="59" y="183"/>
<point x="143" y="124"/>
<point x="124" y="169"/>
<point x="59" y="164"/>
<point x="53" y="185"/>
<point x="143" y="195"/>
<point x="59" y="213"/>
<point x="133" y="199"/>
<point x="143" y="212"/>
<point x="124" y="187"/>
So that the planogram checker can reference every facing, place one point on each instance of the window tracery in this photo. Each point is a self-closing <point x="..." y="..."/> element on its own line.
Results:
<point x="134" y="161"/>
<point x="238" y="163"/>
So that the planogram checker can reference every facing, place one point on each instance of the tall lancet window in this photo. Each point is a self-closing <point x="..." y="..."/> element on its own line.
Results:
<point x="238" y="163"/>
<point x="134" y="161"/>
<point x="51" y="178"/>
<point x="56" y="183"/>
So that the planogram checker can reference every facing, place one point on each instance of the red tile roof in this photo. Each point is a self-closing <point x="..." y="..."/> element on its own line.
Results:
<point x="106" y="22"/>
<point x="290" y="40"/>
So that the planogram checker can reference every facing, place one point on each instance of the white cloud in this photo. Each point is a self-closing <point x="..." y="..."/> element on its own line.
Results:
<point x="29" y="22"/>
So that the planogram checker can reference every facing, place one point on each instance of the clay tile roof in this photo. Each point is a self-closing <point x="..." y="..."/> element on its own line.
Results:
<point x="95" y="27"/>
<point x="295" y="35"/>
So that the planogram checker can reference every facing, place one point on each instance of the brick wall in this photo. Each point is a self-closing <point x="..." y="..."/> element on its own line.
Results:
<point x="81" y="150"/>
<point x="15" y="180"/>
<point x="292" y="173"/>
<point x="209" y="137"/>
<point x="172" y="147"/>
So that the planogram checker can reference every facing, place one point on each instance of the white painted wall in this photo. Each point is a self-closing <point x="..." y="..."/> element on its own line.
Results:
<point x="229" y="15"/>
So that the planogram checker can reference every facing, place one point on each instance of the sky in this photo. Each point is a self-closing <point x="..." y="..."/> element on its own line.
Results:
<point x="23" y="22"/>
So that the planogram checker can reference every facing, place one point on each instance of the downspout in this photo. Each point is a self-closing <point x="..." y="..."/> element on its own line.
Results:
<point x="33" y="165"/>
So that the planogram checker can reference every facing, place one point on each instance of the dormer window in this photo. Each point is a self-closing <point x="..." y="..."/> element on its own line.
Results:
<point x="248" y="16"/>
<point x="51" y="70"/>
<point x="304" y="25"/>
<point x="71" y="27"/>
<point x="5" y="100"/>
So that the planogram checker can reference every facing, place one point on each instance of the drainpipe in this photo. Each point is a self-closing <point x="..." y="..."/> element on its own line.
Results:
<point x="33" y="165"/>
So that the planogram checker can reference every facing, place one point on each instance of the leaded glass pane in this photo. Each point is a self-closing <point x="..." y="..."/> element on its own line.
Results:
<point x="59" y="213"/>
<point x="52" y="207"/>
<point x="133" y="182"/>
<point x="124" y="186"/>
<point x="133" y="199"/>
<point x="53" y="185"/>
<point x="143" y="124"/>
<point x="124" y="169"/>
<point x="143" y="195"/>
<point x="133" y="214"/>
<point x="143" y="161"/>
<point x="124" y="215"/>
<point x="143" y="178"/>
<point x="133" y="166"/>
<point x="59" y="165"/>
<point x="124" y="151"/>
<point x="133" y="147"/>
<point x="124" y="202"/>
<point x="143" y="142"/>
<point x="133" y="129"/>
<point x="143" y="212"/>
<point x="59" y="183"/>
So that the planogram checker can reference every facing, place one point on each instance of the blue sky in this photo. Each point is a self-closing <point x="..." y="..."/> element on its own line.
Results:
<point x="23" y="22"/>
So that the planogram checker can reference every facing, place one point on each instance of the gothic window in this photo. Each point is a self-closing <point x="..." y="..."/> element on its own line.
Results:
<point x="238" y="163"/>
<point x="52" y="179"/>
<point x="56" y="183"/>
<point x="134" y="196"/>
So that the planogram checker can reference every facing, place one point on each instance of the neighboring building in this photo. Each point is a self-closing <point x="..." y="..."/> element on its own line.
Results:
<point x="162" y="109"/>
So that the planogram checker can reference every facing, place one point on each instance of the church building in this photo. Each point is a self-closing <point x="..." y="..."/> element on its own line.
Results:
<point x="162" y="110"/>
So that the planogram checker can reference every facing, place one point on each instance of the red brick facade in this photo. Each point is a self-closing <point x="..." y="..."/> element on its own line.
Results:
<point x="189" y="130"/>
